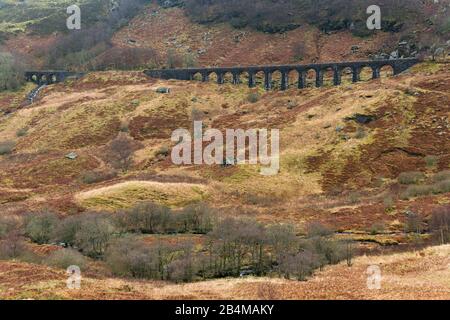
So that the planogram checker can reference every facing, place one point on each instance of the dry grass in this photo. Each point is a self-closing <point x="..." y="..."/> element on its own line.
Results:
<point x="126" y="194"/>
<point x="419" y="275"/>
<point x="83" y="116"/>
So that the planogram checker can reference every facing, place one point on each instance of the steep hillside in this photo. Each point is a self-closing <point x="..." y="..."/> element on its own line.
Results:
<point x="184" y="33"/>
<point x="170" y="29"/>
<point x="45" y="17"/>
<point x="87" y="176"/>
<point x="333" y="168"/>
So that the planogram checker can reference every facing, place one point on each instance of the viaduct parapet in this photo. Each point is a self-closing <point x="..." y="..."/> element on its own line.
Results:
<point x="398" y="66"/>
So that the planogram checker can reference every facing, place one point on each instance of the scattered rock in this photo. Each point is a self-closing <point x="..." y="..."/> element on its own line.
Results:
<point x="72" y="156"/>
<point x="169" y="3"/>
<point x="361" y="118"/>
<point x="339" y="128"/>
<point x="394" y="55"/>
<point x="229" y="162"/>
<point x="163" y="90"/>
<point x="439" y="52"/>
<point x="291" y="105"/>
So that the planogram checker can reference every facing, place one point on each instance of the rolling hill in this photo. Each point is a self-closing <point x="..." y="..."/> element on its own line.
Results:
<point x="368" y="160"/>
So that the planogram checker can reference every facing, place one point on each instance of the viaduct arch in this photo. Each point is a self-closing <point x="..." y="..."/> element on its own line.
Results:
<point x="49" y="76"/>
<point x="398" y="66"/>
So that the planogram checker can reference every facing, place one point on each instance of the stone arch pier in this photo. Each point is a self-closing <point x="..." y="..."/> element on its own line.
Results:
<point x="397" y="65"/>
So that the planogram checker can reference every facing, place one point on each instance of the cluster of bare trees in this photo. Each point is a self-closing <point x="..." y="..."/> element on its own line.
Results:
<point x="150" y="218"/>
<point x="234" y="247"/>
<point x="440" y="224"/>
<point x="11" y="71"/>
<point x="229" y="247"/>
<point x="119" y="152"/>
<point x="85" y="48"/>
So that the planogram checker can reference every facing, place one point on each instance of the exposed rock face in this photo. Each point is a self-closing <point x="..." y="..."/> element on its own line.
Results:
<point x="361" y="118"/>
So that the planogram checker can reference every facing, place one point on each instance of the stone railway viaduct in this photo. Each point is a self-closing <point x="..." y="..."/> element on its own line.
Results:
<point x="398" y="66"/>
<point x="50" y="76"/>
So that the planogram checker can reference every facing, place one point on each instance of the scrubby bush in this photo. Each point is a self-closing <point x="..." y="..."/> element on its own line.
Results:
<point x="39" y="226"/>
<point x="22" y="132"/>
<point x="183" y="268"/>
<point x="388" y="202"/>
<point x="65" y="258"/>
<point x="431" y="160"/>
<point x="441" y="187"/>
<point x="299" y="51"/>
<point x="120" y="151"/>
<point x="148" y="217"/>
<point x="96" y="176"/>
<point x="442" y="176"/>
<point x="190" y="60"/>
<point x="11" y="72"/>
<point x="315" y="229"/>
<point x="129" y="257"/>
<point x="10" y="224"/>
<point x="196" y="218"/>
<point x="411" y="177"/>
<point x="126" y="59"/>
<point x="330" y="251"/>
<point x="236" y="238"/>
<point x="12" y="246"/>
<point x="163" y="151"/>
<point x="354" y="197"/>
<point x="282" y="238"/>
<point x="300" y="265"/>
<point x="66" y="230"/>
<point x="174" y="60"/>
<point x="253" y="97"/>
<point x="415" y="191"/>
<point x="6" y="147"/>
<point x="414" y="222"/>
<point x="440" y="224"/>
<point x="360" y="133"/>
<point x="94" y="234"/>
<point x="134" y="258"/>
<point x="377" y="228"/>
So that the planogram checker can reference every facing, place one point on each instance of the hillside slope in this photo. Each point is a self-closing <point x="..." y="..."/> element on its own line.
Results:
<point x="221" y="44"/>
<point x="333" y="169"/>
<point x="420" y="275"/>
<point x="37" y="29"/>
